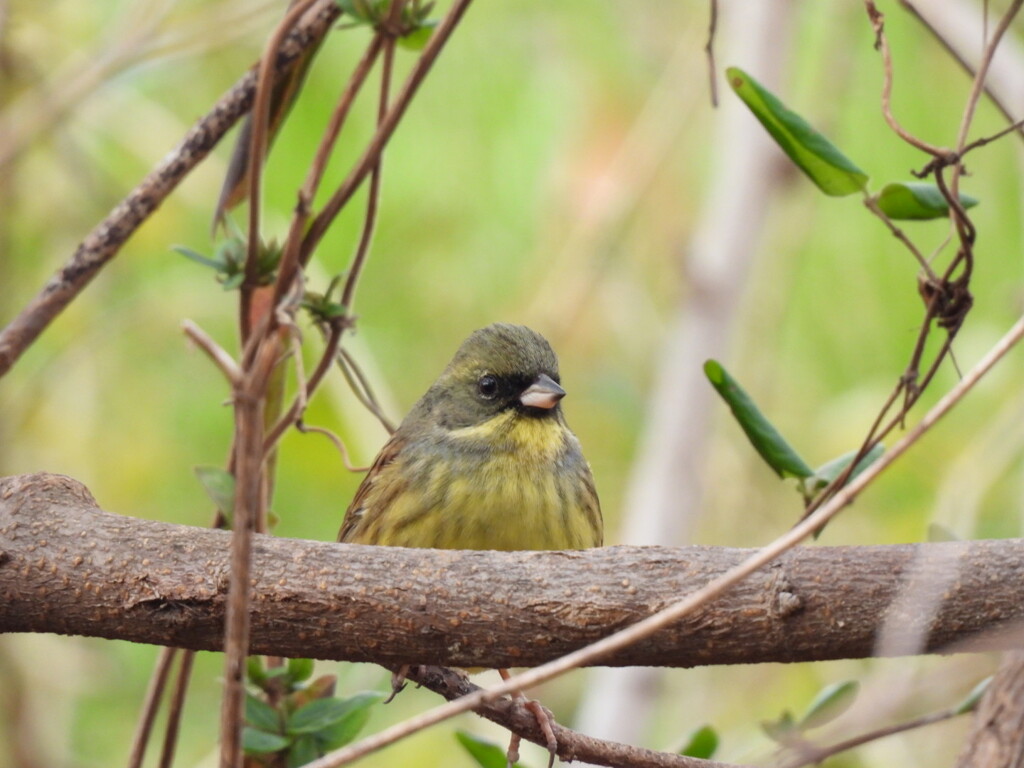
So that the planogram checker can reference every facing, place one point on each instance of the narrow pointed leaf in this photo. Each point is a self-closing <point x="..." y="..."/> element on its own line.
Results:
<point x="816" y="156"/>
<point x="284" y="92"/>
<point x="300" y="669"/>
<point x="487" y="754"/>
<point x="261" y="715"/>
<point x="830" y="470"/>
<point x="352" y="720"/>
<point x="763" y="436"/>
<point x="702" y="743"/>
<point x="275" y="672"/>
<point x="195" y="256"/>
<point x="304" y="751"/>
<point x="829" y="704"/>
<point x="916" y="200"/>
<point x="259" y="742"/>
<point x="972" y="699"/>
<point x="417" y="39"/>
<point x="780" y="730"/>
<point x="317" y="715"/>
<point x="254" y="671"/>
<point x="219" y="485"/>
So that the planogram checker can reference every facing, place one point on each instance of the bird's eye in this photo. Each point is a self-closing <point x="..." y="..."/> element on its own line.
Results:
<point x="487" y="385"/>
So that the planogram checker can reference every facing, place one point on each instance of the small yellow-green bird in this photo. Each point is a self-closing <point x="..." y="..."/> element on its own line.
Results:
<point x="485" y="459"/>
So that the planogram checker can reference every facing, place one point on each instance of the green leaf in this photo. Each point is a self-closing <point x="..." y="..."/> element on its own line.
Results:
<point x="300" y="669"/>
<point x="317" y="715"/>
<point x="362" y="11"/>
<point x="829" y="704"/>
<point x="487" y="754"/>
<point x="261" y="715"/>
<point x="938" y="532"/>
<point x="260" y="742"/>
<point x="326" y="713"/>
<point x="349" y="726"/>
<point x="232" y="253"/>
<point x="254" y="671"/>
<point x="304" y="751"/>
<point x="206" y="261"/>
<point x="972" y="699"/>
<point x="702" y="743"/>
<point x="275" y="672"/>
<point x="825" y="165"/>
<point x="219" y="485"/>
<point x="910" y="200"/>
<point x="417" y="39"/>
<point x="780" y="730"/>
<point x="321" y="307"/>
<point x="763" y="436"/>
<point x="830" y="470"/>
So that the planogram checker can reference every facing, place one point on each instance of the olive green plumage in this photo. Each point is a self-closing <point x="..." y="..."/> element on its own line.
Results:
<point x="484" y="460"/>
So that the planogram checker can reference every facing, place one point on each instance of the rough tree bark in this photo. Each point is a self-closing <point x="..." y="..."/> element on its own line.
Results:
<point x="68" y="567"/>
<point x="997" y="736"/>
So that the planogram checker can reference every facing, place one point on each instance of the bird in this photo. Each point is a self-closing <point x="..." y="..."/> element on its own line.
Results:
<point x="484" y="460"/>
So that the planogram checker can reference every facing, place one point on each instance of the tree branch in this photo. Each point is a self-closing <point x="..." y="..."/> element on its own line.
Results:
<point x="997" y="738"/>
<point x="70" y="568"/>
<point x="106" y="239"/>
<point x="572" y="745"/>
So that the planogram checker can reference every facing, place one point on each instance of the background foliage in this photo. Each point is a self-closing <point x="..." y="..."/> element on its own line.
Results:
<point x="549" y="173"/>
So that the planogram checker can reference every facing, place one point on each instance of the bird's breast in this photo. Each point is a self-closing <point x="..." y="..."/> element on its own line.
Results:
<point x="511" y="483"/>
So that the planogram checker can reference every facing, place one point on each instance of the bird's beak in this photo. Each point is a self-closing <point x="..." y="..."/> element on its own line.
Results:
<point x="543" y="393"/>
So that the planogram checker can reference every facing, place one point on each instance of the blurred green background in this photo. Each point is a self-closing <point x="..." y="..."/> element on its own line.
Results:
<point x="551" y="172"/>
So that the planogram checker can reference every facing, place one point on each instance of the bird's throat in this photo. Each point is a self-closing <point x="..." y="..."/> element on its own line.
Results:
<point x="533" y="439"/>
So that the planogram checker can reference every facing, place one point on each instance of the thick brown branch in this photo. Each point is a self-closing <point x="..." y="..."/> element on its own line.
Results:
<point x="103" y="243"/>
<point x="997" y="738"/>
<point x="68" y="567"/>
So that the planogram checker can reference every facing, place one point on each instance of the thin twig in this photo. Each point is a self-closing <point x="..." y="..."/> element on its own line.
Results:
<point x="965" y="229"/>
<point x="872" y="205"/>
<point x="249" y="508"/>
<point x="106" y="239"/>
<point x="882" y="44"/>
<point x="955" y="54"/>
<point x="340" y="115"/>
<point x="1012" y="128"/>
<point x="364" y="392"/>
<point x="373" y="199"/>
<point x="290" y="254"/>
<point x="977" y="88"/>
<point x="214" y="351"/>
<point x="259" y="118"/>
<point x="338" y="443"/>
<point x="175" y="710"/>
<point x="150" y="705"/>
<point x="812" y="755"/>
<point x="362" y="168"/>
<point x="948" y="298"/>
<point x="709" y="51"/>
<point x="594" y="652"/>
<point x="306" y="389"/>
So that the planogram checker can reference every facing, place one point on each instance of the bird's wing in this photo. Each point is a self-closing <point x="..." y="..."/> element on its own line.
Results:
<point x="358" y="507"/>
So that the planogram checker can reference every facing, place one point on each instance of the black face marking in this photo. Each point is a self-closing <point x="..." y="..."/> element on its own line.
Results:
<point x="502" y="393"/>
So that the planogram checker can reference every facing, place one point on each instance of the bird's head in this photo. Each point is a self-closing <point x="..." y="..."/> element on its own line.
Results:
<point x="498" y="368"/>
